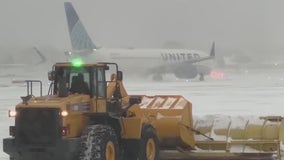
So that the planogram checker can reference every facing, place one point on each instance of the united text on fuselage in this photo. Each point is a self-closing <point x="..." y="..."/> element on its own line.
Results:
<point x="179" y="56"/>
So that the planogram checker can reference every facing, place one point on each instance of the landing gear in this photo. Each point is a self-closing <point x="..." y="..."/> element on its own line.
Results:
<point x="201" y="77"/>
<point x="157" y="77"/>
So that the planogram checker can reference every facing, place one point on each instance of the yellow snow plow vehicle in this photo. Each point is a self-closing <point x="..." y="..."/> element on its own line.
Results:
<point x="88" y="115"/>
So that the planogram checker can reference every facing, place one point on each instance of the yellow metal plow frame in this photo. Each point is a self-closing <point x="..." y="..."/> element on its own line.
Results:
<point x="256" y="140"/>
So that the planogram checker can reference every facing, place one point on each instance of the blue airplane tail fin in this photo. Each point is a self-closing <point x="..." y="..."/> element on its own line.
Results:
<point x="80" y="40"/>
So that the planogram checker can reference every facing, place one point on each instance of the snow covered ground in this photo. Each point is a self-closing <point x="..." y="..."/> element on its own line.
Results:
<point x="254" y="93"/>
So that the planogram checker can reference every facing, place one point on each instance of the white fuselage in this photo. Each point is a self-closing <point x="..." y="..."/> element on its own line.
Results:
<point x="141" y="60"/>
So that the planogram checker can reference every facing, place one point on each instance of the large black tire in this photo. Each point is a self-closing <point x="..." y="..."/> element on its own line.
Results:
<point x="147" y="148"/>
<point x="99" y="142"/>
<point x="201" y="77"/>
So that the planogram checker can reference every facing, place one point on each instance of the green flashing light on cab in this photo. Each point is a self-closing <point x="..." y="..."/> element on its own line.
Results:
<point x="77" y="62"/>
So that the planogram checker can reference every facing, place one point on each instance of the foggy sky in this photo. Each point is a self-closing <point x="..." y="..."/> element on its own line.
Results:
<point x="255" y="27"/>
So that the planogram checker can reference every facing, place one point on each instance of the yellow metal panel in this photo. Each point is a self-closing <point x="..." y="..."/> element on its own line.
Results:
<point x="237" y="133"/>
<point x="253" y="131"/>
<point x="110" y="89"/>
<point x="213" y="145"/>
<point x="270" y="132"/>
<point x="187" y="135"/>
<point x="167" y="127"/>
<point x="98" y="105"/>
<point x="281" y="131"/>
<point x="75" y="124"/>
<point x="170" y="115"/>
<point x="131" y="128"/>
<point x="123" y="91"/>
<point x="113" y="85"/>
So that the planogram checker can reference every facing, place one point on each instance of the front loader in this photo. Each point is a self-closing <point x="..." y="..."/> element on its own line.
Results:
<point x="88" y="115"/>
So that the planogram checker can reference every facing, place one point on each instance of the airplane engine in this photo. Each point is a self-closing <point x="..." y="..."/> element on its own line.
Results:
<point x="185" y="71"/>
<point x="201" y="69"/>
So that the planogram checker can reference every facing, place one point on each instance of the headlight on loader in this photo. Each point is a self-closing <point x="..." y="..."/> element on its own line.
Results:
<point x="12" y="113"/>
<point x="64" y="113"/>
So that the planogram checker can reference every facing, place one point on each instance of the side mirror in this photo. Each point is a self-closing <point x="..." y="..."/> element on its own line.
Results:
<point x="119" y="75"/>
<point x="51" y="75"/>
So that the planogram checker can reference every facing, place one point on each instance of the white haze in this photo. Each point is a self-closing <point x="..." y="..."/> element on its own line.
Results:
<point x="254" y="27"/>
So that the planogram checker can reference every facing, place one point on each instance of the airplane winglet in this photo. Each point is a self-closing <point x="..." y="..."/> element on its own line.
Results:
<point x="80" y="40"/>
<point x="212" y="52"/>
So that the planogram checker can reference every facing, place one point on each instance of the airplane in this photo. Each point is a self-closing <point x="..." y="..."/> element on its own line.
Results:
<point x="182" y="63"/>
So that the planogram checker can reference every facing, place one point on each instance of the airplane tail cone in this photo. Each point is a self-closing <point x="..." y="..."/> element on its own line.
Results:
<point x="212" y="52"/>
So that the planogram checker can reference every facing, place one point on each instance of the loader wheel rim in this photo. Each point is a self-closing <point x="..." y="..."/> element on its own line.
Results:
<point x="150" y="149"/>
<point x="110" y="151"/>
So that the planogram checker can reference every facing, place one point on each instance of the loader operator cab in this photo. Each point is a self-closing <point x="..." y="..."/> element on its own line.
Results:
<point x="70" y="80"/>
<point x="101" y="81"/>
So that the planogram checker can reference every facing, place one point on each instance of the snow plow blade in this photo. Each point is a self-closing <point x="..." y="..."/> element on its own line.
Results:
<point x="213" y="137"/>
<point x="239" y="137"/>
